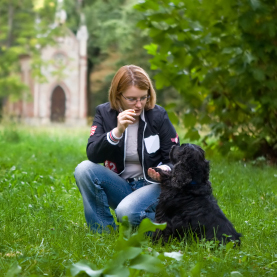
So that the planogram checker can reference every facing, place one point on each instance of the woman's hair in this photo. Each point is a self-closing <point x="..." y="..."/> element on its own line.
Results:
<point x="127" y="76"/>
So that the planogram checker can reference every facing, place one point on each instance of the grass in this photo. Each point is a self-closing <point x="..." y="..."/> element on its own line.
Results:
<point x="43" y="229"/>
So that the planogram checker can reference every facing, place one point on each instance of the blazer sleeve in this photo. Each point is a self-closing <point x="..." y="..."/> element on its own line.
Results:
<point x="100" y="147"/>
<point x="168" y="138"/>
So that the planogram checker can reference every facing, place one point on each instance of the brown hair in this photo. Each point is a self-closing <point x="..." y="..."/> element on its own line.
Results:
<point x="127" y="76"/>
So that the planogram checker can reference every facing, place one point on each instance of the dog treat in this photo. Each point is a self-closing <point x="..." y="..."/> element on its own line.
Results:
<point x="157" y="169"/>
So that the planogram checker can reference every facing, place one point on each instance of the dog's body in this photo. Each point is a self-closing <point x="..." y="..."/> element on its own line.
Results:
<point x="186" y="202"/>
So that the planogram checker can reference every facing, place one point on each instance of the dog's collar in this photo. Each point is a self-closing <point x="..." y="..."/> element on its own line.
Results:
<point x="193" y="183"/>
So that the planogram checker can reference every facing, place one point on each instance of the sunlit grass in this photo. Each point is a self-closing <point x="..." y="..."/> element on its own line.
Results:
<point x="43" y="229"/>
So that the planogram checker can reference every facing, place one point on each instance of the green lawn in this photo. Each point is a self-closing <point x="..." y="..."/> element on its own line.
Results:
<point x="43" y="229"/>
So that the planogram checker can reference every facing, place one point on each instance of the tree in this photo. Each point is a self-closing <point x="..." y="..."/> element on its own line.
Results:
<point x="221" y="58"/>
<point x="114" y="41"/>
<point x="113" y="36"/>
<point x="25" y="27"/>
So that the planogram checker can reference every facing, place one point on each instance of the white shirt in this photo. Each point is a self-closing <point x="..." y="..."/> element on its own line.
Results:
<point x="133" y="167"/>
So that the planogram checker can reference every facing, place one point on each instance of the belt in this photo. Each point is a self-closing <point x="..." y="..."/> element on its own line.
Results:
<point x="130" y="180"/>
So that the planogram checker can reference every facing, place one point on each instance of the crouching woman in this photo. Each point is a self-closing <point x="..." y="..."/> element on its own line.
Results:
<point x="130" y="134"/>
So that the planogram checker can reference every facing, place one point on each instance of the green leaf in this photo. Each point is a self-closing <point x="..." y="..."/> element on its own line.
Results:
<point x="258" y="74"/>
<point x="173" y="118"/>
<point x="236" y="274"/>
<point x="232" y="50"/>
<point x="245" y="258"/>
<point x="229" y="245"/>
<point x="147" y="263"/>
<point x="151" y="48"/>
<point x="158" y="17"/>
<point x="147" y="5"/>
<point x="271" y="29"/>
<point x="205" y="119"/>
<point x="255" y="4"/>
<point x="248" y="57"/>
<point x="196" y="270"/>
<point x="83" y="267"/>
<point x="126" y="254"/>
<point x="155" y="32"/>
<point x="117" y="271"/>
<point x="147" y="225"/>
<point x="170" y="106"/>
<point x="192" y="134"/>
<point x="142" y="24"/>
<point x="272" y="265"/>
<point x="196" y="26"/>
<point x="14" y="270"/>
<point x="189" y="120"/>
<point x="242" y="105"/>
<point x="124" y="228"/>
<point x="161" y="81"/>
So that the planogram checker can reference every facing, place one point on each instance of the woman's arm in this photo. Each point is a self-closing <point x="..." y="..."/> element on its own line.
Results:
<point x="168" y="138"/>
<point x="101" y="145"/>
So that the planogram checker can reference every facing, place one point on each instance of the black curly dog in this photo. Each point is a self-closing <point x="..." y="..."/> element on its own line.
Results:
<point x="186" y="202"/>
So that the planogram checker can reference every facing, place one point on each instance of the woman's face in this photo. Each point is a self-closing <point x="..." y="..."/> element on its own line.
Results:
<point x="134" y="98"/>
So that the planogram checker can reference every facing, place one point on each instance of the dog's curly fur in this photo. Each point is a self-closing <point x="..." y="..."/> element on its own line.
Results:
<point x="186" y="202"/>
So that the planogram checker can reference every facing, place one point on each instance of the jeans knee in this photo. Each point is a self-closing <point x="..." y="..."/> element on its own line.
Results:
<point x="120" y="212"/>
<point x="82" y="169"/>
<point x="84" y="172"/>
<point x="134" y="216"/>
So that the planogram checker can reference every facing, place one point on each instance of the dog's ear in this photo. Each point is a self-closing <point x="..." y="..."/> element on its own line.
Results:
<point x="173" y="154"/>
<point x="206" y="172"/>
<point x="181" y="175"/>
<point x="194" y="159"/>
<point x="176" y="153"/>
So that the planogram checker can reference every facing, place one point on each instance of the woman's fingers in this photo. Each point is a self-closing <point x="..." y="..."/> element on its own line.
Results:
<point x="128" y="114"/>
<point x="124" y="119"/>
<point x="126" y="122"/>
<point x="154" y="175"/>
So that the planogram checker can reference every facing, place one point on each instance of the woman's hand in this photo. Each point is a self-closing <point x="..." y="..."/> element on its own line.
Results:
<point x="123" y="120"/>
<point x="156" y="175"/>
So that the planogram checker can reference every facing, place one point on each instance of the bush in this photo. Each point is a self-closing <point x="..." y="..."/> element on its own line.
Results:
<point x="221" y="58"/>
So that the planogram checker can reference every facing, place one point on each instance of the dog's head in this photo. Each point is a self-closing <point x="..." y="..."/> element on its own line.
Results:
<point x="190" y="165"/>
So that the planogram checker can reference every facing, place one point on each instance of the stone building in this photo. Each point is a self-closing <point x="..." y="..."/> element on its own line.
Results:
<point x="62" y="98"/>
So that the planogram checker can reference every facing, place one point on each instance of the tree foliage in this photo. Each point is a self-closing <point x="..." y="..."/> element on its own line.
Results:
<point x="221" y="57"/>
<point x="113" y="37"/>
<point x="114" y="41"/>
<point x="25" y="27"/>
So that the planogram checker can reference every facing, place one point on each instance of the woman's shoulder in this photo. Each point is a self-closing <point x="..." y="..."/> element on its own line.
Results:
<point x="105" y="108"/>
<point x="156" y="116"/>
<point x="105" y="112"/>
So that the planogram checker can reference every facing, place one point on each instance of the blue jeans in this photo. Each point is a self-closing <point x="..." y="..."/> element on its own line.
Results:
<point x="101" y="188"/>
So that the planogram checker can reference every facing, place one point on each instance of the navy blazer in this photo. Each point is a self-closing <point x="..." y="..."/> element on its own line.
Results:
<point x="156" y="135"/>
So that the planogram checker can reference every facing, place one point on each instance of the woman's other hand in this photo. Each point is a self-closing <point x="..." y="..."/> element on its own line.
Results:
<point x="156" y="175"/>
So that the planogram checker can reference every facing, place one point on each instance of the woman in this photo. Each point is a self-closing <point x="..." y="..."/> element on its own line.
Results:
<point x="130" y="134"/>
